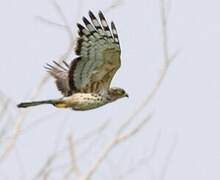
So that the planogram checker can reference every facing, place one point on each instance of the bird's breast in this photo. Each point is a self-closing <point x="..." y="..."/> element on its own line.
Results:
<point x="85" y="101"/>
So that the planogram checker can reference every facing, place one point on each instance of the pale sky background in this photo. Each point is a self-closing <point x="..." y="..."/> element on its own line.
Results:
<point x="186" y="108"/>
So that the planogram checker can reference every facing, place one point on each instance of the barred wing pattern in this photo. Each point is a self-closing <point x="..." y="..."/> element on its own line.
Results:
<point x="99" y="56"/>
<point x="99" y="52"/>
<point x="60" y="73"/>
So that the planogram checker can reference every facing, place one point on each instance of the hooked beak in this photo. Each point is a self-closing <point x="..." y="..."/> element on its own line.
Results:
<point x="126" y="95"/>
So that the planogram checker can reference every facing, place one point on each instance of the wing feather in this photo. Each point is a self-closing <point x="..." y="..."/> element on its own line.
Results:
<point x="60" y="73"/>
<point x="99" y="56"/>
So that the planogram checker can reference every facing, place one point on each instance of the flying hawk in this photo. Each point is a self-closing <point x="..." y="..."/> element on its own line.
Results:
<point x="85" y="82"/>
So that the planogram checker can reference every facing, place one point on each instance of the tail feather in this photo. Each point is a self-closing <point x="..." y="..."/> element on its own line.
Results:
<point x="34" y="103"/>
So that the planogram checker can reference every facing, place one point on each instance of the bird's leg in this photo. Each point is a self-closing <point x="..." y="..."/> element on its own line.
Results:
<point x="60" y="104"/>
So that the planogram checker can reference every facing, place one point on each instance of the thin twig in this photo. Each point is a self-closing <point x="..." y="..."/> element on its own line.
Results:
<point x="64" y="19"/>
<point x="163" y="172"/>
<point x="134" y="130"/>
<point x="20" y="119"/>
<point x="74" y="165"/>
<point x="49" y="22"/>
<point x="45" y="168"/>
<point x="120" y="137"/>
<point x="164" y="69"/>
<point x="23" y="113"/>
<point x="144" y="161"/>
<point x="115" y="141"/>
<point x="113" y="5"/>
<point x="164" y="31"/>
<point x="78" y="142"/>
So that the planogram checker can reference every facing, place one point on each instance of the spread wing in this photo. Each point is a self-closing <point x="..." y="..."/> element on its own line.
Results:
<point x="99" y="56"/>
<point x="60" y="73"/>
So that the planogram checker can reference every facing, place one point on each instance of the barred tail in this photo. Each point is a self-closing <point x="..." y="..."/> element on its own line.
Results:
<point x="35" y="103"/>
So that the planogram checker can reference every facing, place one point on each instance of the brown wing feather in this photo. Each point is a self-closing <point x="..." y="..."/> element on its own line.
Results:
<point x="105" y="73"/>
<point x="99" y="51"/>
<point x="71" y="75"/>
<point x="60" y="73"/>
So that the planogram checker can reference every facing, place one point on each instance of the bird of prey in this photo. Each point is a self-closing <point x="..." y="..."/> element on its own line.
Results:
<point x="85" y="82"/>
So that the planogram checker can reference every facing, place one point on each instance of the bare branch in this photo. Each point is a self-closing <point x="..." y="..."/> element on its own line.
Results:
<point x="146" y="160"/>
<point x="67" y="26"/>
<point x="47" y="166"/>
<point x="164" y="31"/>
<point x="96" y="131"/>
<point x="163" y="172"/>
<point x="23" y="113"/>
<point x="114" y="4"/>
<point x="135" y="130"/>
<point x="72" y="152"/>
<point x="164" y="68"/>
<point x="49" y="22"/>
<point x="5" y="114"/>
<point x="115" y="141"/>
<point x="120" y="136"/>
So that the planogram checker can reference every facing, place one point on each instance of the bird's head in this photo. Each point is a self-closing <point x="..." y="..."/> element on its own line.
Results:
<point x="116" y="93"/>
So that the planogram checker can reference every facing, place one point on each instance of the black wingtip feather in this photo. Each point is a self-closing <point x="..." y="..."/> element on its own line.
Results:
<point x="81" y="28"/>
<point x="79" y="25"/>
<point x="95" y="26"/>
<point x="113" y="25"/>
<point x="101" y="14"/>
<point x="85" y="20"/>
<point x="91" y="15"/>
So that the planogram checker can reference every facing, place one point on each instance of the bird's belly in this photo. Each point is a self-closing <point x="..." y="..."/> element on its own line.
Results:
<point x="85" y="101"/>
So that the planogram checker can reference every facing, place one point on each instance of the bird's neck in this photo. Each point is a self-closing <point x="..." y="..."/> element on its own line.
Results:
<point x="110" y="97"/>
